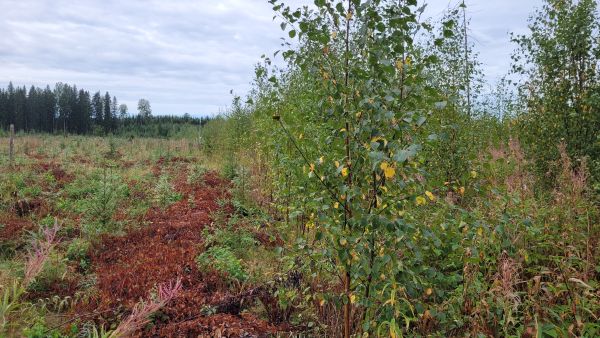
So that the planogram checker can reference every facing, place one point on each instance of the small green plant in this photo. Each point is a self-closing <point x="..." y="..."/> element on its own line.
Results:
<point x="196" y="174"/>
<point x="230" y="169"/>
<point x="103" y="203"/>
<point x="39" y="330"/>
<point x="102" y="199"/>
<point x="164" y="193"/>
<point x="239" y="240"/>
<point x="221" y="258"/>
<point x="10" y="303"/>
<point x="112" y="149"/>
<point x="77" y="251"/>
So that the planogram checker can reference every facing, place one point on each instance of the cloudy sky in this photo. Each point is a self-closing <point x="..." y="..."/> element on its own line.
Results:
<point x="182" y="55"/>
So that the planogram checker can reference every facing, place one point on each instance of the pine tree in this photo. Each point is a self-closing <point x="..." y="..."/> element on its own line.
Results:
<point x="3" y="109"/>
<point x="85" y="109"/>
<point x="49" y="110"/>
<point x="10" y="104"/>
<point x="114" y="112"/>
<point x="107" y="113"/>
<point x="97" y="110"/>
<point x="21" y="108"/>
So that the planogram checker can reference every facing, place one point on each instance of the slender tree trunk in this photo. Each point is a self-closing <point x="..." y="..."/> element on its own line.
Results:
<point x="347" y="211"/>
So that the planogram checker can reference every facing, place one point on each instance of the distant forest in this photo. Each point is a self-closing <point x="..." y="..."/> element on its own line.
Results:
<point x="67" y="109"/>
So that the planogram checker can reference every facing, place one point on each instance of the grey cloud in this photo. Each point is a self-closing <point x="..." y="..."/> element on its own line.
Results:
<point x="182" y="55"/>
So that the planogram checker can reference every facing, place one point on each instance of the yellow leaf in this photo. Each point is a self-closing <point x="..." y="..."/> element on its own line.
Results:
<point x="420" y="200"/>
<point x="321" y="160"/>
<point x="379" y="138"/>
<point x="336" y="205"/>
<point x="352" y="298"/>
<point x="345" y="172"/>
<point x="312" y="167"/>
<point x="430" y="195"/>
<point x="389" y="172"/>
<point x="343" y="242"/>
<point x="480" y="232"/>
<point x="301" y="136"/>
<point x="337" y="164"/>
<point x="461" y="190"/>
<point x="429" y="291"/>
<point x="408" y="61"/>
<point x="473" y="174"/>
<point x="334" y="34"/>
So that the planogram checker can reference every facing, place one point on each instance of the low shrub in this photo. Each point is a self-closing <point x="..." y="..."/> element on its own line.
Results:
<point x="77" y="251"/>
<point x="196" y="174"/>
<point x="221" y="258"/>
<point x="164" y="193"/>
<point x="230" y="169"/>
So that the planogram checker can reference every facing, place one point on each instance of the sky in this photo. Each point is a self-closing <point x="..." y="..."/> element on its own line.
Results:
<point x="185" y="56"/>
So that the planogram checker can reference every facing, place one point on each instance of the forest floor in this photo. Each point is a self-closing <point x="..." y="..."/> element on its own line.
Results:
<point x="147" y="242"/>
<point x="127" y="267"/>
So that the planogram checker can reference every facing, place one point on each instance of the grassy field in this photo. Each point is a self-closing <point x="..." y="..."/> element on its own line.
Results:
<point x="90" y="227"/>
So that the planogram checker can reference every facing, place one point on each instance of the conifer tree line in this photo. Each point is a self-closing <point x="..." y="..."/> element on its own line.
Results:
<point x="68" y="109"/>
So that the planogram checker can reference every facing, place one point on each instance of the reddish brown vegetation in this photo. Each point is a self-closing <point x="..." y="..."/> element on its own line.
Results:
<point x="13" y="228"/>
<point x="129" y="267"/>
<point x="56" y="171"/>
<point x="25" y="207"/>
